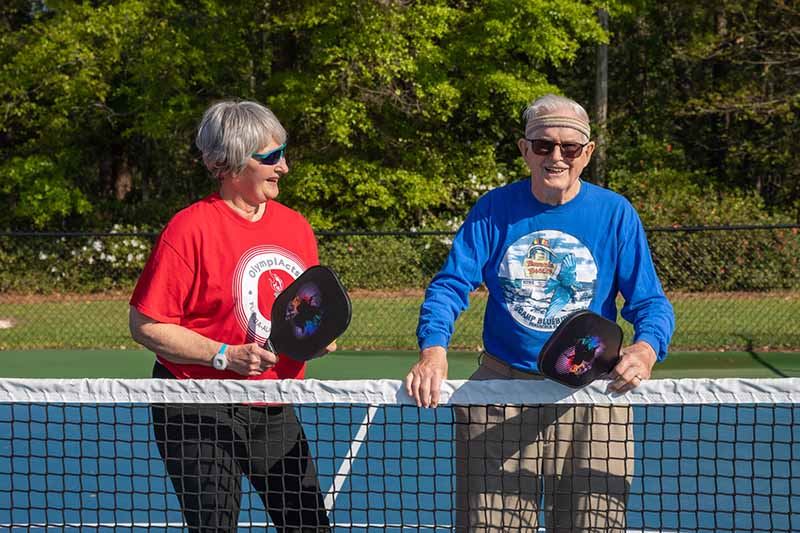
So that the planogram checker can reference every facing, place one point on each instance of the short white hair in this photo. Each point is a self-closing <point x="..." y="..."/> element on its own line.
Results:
<point x="549" y="104"/>
<point x="231" y="131"/>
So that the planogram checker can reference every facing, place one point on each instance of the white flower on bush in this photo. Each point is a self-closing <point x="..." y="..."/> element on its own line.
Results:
<point x="97" y="245"/>
<point x="42" y="256"/>
<point x="454" y="223"/>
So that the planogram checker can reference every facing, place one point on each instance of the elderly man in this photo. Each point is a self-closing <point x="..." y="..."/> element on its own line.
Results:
<point x="545" y="248"/>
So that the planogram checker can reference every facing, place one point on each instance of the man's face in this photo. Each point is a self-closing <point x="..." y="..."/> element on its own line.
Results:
<point x="555" y="175"/>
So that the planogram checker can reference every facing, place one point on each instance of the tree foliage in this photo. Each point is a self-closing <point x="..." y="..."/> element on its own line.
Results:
<point x="709" y="95"/>
<point x="399" y="113"/>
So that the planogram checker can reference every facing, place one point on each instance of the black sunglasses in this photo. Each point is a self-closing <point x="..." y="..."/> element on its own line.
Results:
<point x="545" y="147"/>
<point x="273" y="157"/>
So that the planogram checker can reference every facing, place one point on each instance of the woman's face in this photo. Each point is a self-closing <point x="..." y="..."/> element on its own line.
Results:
<point x="258" y="181"/>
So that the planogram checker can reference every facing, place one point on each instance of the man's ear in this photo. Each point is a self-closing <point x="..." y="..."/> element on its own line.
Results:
<point x="522" y="144"/>
<point x="589" y="150"/>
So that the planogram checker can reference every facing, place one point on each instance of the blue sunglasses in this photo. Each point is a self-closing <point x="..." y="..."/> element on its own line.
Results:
<point x="273" y="157"/>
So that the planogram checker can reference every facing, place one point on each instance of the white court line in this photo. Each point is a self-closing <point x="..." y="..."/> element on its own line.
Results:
<point x="347" y="463"/>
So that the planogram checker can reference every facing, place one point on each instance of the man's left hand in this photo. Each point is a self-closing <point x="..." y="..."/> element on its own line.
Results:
<point x="635" y="365"/>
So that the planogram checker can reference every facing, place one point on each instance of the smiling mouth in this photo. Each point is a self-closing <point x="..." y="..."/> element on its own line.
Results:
<point x="555" y="170"/>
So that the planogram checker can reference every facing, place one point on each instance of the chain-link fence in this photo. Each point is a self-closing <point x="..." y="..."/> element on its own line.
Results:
<point x="733" y="288"/>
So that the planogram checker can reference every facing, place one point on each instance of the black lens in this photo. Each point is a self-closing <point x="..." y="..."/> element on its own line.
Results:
<point x="542" y="146"/>
<point x="571" y="149"/>
<point x="272" y="158"/>
<point x="545" y="147"/>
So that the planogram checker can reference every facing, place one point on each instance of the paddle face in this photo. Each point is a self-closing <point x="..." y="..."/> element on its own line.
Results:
<point x="309" y="314"/>
<point x="581" y="349"/>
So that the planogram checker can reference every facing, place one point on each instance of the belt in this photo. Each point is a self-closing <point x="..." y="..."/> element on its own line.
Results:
<point x="501" y="367"/>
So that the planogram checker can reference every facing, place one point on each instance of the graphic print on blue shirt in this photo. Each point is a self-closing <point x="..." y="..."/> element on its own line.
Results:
<point x="545" y="276"/>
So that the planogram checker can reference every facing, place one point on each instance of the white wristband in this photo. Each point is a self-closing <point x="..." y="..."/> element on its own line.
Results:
<point x="220" y="362"/>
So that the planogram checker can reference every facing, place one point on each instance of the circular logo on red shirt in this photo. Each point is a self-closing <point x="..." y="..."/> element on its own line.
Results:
<point x="261" y="274"/>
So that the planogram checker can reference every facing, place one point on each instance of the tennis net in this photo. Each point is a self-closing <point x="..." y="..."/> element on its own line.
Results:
<point x="701" y="455"/>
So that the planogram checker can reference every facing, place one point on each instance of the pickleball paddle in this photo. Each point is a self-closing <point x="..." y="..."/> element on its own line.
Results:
<point x="309" y="314"/>
<point x="582" y="348"/>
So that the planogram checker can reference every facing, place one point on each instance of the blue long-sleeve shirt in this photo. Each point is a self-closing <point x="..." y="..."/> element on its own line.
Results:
<point x="541" y="263"/>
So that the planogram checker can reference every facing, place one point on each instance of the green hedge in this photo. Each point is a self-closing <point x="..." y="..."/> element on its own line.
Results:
<point x="709" y="260"/>
<point x="75" y="264"/>
<point x="732" y="260"/>
<point x="384" y="262"/>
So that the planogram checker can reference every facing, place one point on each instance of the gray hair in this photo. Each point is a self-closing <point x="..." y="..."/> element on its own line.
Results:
<point x="232" y="130"/>
<point x="551" y="104"/>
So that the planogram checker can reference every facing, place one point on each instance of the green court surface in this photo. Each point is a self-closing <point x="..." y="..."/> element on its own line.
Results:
<point x="378" y="365"/>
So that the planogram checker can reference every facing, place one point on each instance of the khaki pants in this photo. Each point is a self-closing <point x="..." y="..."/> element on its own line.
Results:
<point x="575" y="461"/>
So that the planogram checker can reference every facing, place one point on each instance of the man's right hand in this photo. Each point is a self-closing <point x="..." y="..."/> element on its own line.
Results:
<point x="250" y="359"/>
<point x="424" y="381"/>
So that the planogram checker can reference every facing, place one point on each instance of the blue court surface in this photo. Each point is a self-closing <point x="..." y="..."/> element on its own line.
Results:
<point x="388" y="468"/>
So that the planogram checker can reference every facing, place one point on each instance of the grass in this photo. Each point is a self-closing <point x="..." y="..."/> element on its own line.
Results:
<point x="728" y="322"/>
<point x="703" y="322"/>
<point x="72" y="323"/>
<point x="375" y="365"/>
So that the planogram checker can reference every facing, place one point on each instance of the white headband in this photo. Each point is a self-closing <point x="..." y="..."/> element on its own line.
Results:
<point x="557" y="121"/>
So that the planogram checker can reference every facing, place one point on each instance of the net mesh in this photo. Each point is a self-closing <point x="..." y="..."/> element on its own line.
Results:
<point x="673" y="455"/>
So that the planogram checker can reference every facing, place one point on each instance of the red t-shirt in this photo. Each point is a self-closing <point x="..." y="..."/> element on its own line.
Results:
<point x="216" y="273"/>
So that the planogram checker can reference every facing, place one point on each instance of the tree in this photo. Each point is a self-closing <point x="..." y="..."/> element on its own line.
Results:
<point x="405" y="112"/>
<point x="101" y="99"/>
<point x="714" y="90"/>
<point x="401" y="113"/>
<point x="746" y="97"/>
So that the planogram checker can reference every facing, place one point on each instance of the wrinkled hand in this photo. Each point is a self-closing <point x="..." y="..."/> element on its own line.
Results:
<point x="250" y="359"/>
<point x="424" y="381"/>
<point x="635" y="365"/>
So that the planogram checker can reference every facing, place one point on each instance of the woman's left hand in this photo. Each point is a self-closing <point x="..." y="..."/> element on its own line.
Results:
<point x="635" y="365"/>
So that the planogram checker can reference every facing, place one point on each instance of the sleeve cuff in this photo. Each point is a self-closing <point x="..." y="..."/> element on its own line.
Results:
<point x="434" y="339"/>
<point x="155" y="315"/>
<point x="655" y="343"/>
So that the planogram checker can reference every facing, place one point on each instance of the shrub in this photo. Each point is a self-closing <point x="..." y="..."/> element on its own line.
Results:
<point x="82" y="264"/>
<point x="384" y="262"/>
<point x="714" y="260"/>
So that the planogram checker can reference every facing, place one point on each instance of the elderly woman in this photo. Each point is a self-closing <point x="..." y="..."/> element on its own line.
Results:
<point x="199" y="306"/>
<point x="545" y="247"/>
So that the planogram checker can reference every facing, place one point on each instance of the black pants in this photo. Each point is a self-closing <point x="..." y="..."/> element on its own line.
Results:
<point x="207" y="447"/>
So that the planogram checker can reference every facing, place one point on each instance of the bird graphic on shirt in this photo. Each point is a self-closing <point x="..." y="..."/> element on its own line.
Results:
<point x="561" y="286"/>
